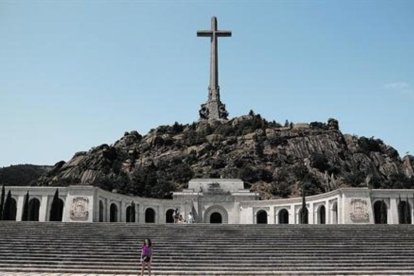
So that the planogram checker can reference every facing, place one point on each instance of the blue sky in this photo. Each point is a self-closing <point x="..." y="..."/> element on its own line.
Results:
<point x="77" y="74"/>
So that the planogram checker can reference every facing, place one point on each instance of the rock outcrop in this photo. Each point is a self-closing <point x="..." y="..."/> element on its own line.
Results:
<point x="273" y="160"/>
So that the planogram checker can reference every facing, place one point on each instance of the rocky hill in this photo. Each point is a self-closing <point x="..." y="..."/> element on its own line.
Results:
<point x="271" y="159"/>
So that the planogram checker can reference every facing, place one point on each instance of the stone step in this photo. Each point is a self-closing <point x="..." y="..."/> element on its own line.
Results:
<point x="207" y="249"/>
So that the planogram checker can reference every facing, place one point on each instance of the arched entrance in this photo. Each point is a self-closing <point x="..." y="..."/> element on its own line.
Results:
<point x="56" y="210"/>
<point x="261" y="217"/>
<point x="283" y="217"/>
<point x="303" y="216"/>
<point x="322" y="215"/>
<point x="130" y="213"/>
<point x="149" y="215"/>
<point x="9" y="211"/>
<point x="215" y="214"/>
<point x="404" y="212"/>
<point x="101" y="211"/>
<point x="34" y="205"/>
<point x="169" y="216"/>
<point x="380" y="212"/>
<point x="216" y="218"/>
<point x="113" y="213"/>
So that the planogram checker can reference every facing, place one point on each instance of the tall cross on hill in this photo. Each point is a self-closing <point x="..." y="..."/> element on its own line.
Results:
<point x="214" y="109"/>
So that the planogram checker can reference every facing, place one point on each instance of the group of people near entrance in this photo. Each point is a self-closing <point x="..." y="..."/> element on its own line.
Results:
<point x="178" y="218"/>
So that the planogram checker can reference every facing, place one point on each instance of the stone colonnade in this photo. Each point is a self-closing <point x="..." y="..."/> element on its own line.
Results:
<point x="91" y="204"/>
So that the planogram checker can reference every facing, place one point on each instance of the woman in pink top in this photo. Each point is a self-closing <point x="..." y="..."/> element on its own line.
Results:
<point x="146" y="256"/>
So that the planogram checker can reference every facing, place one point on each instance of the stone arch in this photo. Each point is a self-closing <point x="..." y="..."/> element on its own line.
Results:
<point x="216" y="209"/>
<point x="101" y="211"/>
<point x="150" y="215"/>
<point x="261" y="217"/>
<point x="404" y="212"/>
<point x="130" y="213"/>
<point x="303" y="216"/>
<point x="322" y="214"/>
<point x="380" y="209"/>
<point x="113" y="213"/>
<point x="56" y="210"/>
<point x="34" y="206"/>
<point x="10" y="209"/>
<point x="283" y="216"/>
<point x="169" y="216"/>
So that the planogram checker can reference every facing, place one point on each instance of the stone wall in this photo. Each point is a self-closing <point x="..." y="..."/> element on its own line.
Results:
<point x="342" y="206"/>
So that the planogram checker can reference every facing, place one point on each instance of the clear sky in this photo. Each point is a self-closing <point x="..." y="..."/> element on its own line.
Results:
<point x="77" y="74"/>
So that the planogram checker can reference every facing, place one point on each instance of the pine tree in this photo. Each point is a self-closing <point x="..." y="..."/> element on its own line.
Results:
<point x="304" y="211"/>
<point x="55" y="208"/>
<point x="7" y="215"/>
<point x="2" y="202"/>
<point x="25" y="216"/>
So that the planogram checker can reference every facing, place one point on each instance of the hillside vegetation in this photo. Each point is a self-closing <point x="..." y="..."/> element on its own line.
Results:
<point x="271" y="159"/>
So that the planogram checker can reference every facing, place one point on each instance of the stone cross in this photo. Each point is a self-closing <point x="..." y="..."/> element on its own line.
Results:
<point x="213" y="109"/>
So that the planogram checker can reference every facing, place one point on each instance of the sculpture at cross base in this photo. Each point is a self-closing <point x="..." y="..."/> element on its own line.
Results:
<point x="214" y="109"/>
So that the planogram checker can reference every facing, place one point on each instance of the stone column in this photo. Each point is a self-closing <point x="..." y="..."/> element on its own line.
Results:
<point x="341" y="210"/>
<point x="393" y="213"/>
<point x="20" y="204"/>
<point x="271" y="215"/>
<point x="136" y="213"/>
<point x="295" y="214"/>
<point x="122" y="211"/>
<point x="106" y="210"/>
<point x="311" y="213"/>
<point x="43" y="208"/>
<point x="327" y="212"/>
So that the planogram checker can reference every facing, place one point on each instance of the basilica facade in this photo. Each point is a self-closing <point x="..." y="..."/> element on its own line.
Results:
<point x="210" y="201"/>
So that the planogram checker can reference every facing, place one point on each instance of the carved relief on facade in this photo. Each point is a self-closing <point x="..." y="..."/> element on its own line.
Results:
<point x="359" y="211"/>
<point x="79" y="209"/>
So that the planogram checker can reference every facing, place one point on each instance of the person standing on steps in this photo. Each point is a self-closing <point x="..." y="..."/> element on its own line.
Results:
<point x="190" y="218"/>
<point x="146" y="256"/>
<point x="176" y="215"/>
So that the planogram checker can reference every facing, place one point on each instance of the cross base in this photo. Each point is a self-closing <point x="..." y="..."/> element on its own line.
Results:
<point x="213" y="110"/>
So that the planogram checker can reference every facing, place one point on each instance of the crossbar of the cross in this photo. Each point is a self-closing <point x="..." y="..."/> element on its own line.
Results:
<point x="209" y="33"/>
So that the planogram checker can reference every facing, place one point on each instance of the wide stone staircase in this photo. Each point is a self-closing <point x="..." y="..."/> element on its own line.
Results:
<point x="207" y="249"/>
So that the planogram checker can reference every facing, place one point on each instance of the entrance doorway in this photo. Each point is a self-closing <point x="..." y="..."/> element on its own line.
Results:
<point x="404" y="212"/>
<point x="113" y="213"/>
<point x="169" y="216"/>
<point x="34" y="205"/>
<point x="380" y="212"/>
<point x="216" y="218"/>
<point x="56" y="210"/>
<point x="216" y="214"/>
<point x="261" y="217"/>
<point x="283" y="216"/>
<point x="149" y="215"/>
<point x="322" y="215"/>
